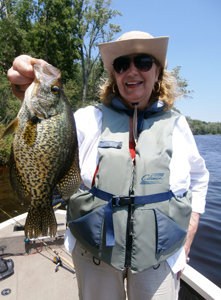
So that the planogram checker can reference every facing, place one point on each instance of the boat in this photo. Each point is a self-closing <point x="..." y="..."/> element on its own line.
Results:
<point x="195" y="286"/>
<point x="42" y="268"/>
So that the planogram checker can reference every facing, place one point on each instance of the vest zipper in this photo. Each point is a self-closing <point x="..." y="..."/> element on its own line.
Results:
<point x="130" y="218"/>
<point x="129" y="236"/>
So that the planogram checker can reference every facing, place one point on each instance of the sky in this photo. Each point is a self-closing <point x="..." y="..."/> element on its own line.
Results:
<point x="194" y="28"/>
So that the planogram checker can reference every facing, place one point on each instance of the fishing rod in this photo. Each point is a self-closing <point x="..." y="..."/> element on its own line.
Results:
<point x="55" y="207"/>
<point x="58" y="255"/>
<point x="56" y="203"/>
<point x="11" y="217"/>
<point x="58" y="259"/>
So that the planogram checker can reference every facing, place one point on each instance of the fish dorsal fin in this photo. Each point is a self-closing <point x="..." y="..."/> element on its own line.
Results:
<point x="10" y="128"/>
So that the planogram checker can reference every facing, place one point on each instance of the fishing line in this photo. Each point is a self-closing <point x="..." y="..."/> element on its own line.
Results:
<point x="59" y="246"/>
<point x="57" y="254"/>
<point x="38" y="250"/>
<point x="10" y="217"/>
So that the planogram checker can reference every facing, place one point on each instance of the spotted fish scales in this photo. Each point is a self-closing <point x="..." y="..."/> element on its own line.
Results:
<point x="44" y="154"/>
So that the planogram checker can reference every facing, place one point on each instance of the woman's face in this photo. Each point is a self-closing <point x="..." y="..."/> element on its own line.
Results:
<point x="135" y="85"/>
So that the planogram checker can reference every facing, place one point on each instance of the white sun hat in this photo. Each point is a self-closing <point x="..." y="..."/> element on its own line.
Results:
<point x="134" y="42"/>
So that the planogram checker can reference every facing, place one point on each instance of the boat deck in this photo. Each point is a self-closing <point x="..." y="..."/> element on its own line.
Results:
<point x="34" y="275"/>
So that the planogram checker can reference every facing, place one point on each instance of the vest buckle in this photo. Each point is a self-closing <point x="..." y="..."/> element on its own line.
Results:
<point x="123" y="200"/>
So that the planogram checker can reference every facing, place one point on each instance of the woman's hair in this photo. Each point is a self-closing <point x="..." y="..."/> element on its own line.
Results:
<point x="166" y="89"/>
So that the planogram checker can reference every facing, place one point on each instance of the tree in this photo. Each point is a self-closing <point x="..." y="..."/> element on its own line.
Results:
<point x="63" y="32"/>
<point x="6" y="7"/>
<point x="24" y="28"/>
<point x="11" y="35"/>
<point x="94" y="28"/>
<point x="182" y="82"/>
<point x="3" y="9"/>
<point x="53" y="35"/>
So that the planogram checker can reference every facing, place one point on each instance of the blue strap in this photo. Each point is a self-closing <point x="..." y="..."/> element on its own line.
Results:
<point x="146" y="199"/>
<point x="100" y="194"/>
<point x="109" y="225"/>
<point x="154" y="198"/>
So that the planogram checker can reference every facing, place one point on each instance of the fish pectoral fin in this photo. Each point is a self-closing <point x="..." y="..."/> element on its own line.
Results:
<point x="69" y="184"/>
<point x="40" y="221"/>
<point x="11" y="128"/>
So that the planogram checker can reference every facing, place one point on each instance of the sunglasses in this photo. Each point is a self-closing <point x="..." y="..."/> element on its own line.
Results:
<point x="142" y="62"/>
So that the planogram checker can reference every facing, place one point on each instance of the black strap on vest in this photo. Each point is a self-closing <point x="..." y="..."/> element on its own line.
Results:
<point x="114" y="200"/>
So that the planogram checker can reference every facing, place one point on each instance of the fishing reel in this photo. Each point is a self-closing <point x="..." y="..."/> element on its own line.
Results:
<point x="58" y="262"/>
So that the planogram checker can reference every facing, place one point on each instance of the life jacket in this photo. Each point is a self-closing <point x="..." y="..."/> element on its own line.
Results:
<point x="130" y="218"/>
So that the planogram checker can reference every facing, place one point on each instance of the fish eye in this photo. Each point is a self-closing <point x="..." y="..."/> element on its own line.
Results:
<point x="55" y="89"/>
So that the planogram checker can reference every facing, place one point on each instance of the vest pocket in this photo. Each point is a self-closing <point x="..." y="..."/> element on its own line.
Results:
<point x="168" y="232"/>
<point x="89" y="227"/>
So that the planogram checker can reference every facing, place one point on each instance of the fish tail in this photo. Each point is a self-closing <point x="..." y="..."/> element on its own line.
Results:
<point x="33" y="223"/>
<point x="40" y="222"/>
<point x="49" y="224"/>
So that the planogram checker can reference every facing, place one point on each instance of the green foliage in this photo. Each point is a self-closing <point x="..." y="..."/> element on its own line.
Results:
<point x="94" y="28"/>
<point x="52" y="35"/>
<point x="10" y="42"/>
<point x="63" y="32"/>
<point x="97" y="74"/>
<point x="5" y="147"/>
<point x="73" y="92"/>
<point x="182" y="82"/>
<point x="201" y="128"/>
<point x="9" y="104"/>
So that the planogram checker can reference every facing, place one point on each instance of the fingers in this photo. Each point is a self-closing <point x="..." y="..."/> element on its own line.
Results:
<point x="21" y="74"/>
<point x="19" y="90"/>
<point x="16" y="77"/>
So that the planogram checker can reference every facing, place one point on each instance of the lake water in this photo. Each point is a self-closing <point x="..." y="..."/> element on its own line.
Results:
<point x="8" y="202"/>
<point x="205" y="254"/>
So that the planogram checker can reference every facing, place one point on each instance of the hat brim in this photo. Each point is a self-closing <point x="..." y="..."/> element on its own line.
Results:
<point x="156" y="47"/>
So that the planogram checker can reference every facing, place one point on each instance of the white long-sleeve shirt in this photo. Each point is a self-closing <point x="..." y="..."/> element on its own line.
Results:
<point x="187" y="167"/>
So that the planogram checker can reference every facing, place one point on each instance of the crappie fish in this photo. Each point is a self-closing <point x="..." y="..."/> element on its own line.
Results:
<point x="44" y="154"/>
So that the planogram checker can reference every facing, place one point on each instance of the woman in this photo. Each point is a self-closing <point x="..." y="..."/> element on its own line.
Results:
<point x="140" y="168"/>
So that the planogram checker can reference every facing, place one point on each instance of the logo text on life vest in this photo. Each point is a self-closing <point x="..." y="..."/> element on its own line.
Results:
<point x="152" y="178"/>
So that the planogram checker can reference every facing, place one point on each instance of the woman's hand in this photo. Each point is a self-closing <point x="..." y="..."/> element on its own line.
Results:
<point x="193" y="225"/>
<point x="21" y="74"/>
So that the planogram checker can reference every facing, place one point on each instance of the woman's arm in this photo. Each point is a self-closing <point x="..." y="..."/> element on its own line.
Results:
<point x="188" y="172"/>
<point x="193" y="225"/>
